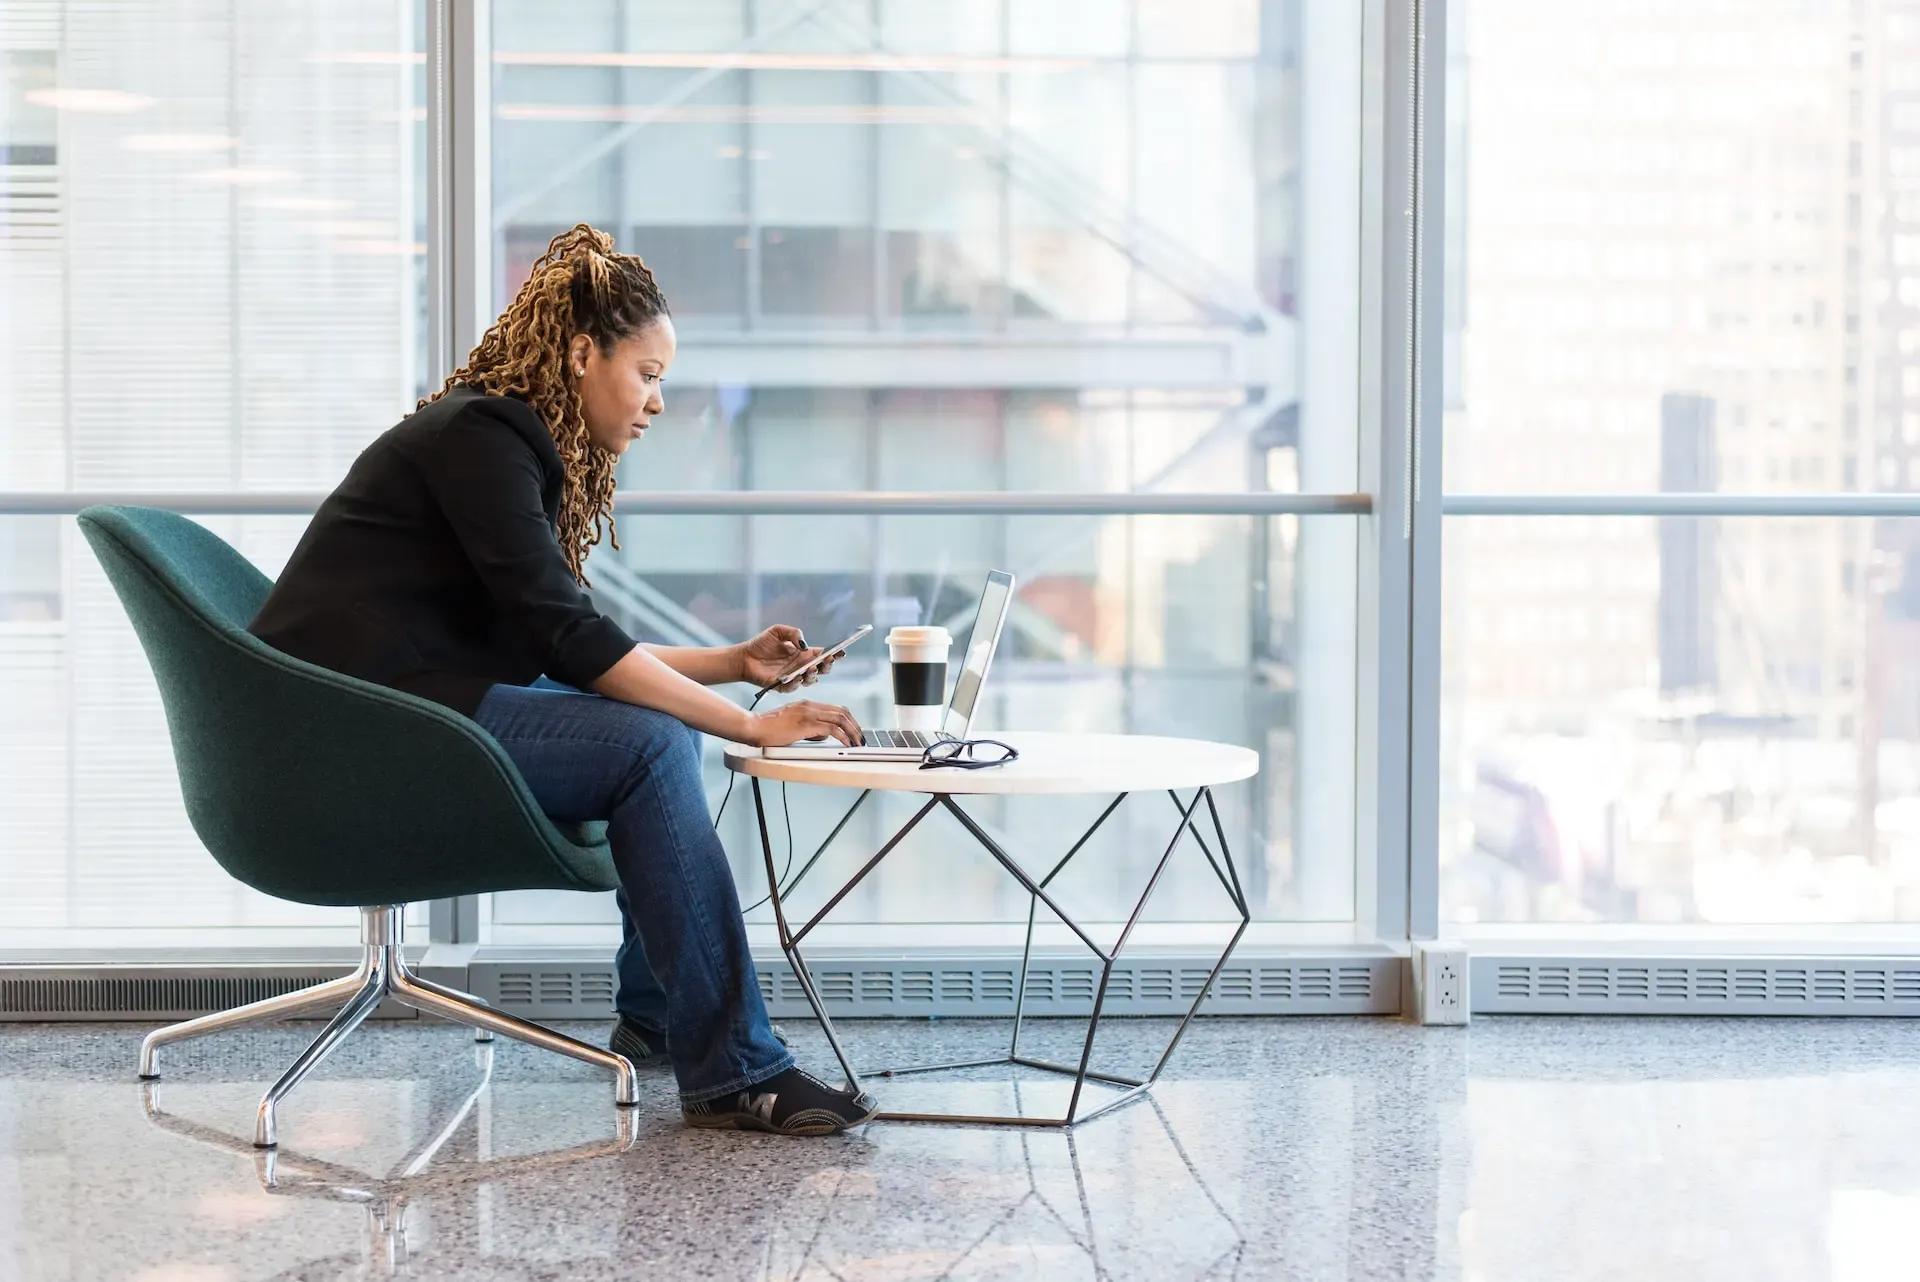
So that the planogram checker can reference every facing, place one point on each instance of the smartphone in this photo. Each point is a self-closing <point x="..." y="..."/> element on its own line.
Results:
<point x="831" y="652"/>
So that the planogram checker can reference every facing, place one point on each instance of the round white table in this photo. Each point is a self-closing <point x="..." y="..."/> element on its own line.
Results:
<point x="1050" y="762"/>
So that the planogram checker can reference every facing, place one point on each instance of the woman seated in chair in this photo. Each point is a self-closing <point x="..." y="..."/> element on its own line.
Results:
<point x="449" y="563"/>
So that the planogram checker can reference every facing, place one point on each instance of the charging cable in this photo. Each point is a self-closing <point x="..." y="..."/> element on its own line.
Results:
<point x="788" y="814"/>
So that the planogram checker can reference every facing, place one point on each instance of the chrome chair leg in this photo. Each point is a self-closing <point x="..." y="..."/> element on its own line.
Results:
<point x="453" y="995"/>
<point x="333" y="992"/>
<point x="382" y="973"/>
<point x="373" y="990"/>
<point x="462" y="1009"/>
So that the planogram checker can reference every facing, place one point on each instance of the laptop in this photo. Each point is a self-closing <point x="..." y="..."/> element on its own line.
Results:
<point x="908" y="745"/>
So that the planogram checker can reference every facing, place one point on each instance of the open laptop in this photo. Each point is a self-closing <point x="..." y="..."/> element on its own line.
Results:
<point x="908" y="745"/>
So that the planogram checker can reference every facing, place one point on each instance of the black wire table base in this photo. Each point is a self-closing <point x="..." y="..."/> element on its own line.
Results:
<point x="1082" y="1073"/>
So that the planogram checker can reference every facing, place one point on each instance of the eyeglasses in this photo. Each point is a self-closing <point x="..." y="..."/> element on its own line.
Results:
<point x="967" y="754"/>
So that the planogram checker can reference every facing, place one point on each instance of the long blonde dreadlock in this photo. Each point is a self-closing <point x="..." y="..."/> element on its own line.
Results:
<point x="578" y="286"/>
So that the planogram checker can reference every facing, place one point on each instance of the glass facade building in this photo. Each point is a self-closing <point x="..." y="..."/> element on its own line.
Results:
<point x="971" y="247"/>
<point x="909" y="248"/>
<point x="1115" y="249"/>
<point x="1684" y="266"/>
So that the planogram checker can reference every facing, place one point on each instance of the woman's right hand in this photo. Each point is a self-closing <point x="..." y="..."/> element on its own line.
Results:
<point x="802" y="719"/>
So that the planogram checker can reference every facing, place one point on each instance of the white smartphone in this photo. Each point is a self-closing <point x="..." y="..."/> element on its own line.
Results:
<point x="830" y="653"/>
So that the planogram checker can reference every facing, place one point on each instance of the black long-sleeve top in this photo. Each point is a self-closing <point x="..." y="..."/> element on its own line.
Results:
<point x="435" y="566"/>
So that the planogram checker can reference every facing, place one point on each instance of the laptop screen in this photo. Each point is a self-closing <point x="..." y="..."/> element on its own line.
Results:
<point x="992" y="616"/>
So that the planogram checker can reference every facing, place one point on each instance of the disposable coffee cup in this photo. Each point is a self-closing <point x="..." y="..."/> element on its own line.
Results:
<point x="919" y="658"/>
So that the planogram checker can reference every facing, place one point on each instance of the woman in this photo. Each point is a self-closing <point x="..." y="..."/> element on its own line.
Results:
<point x="448" y="564"/>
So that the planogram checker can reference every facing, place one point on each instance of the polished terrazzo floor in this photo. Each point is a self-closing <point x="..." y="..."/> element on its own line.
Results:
<point x="1341" y="1149"/>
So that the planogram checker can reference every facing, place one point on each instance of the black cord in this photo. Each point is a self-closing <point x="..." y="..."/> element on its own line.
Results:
<point x="789" y="865"/>
<point x="727" y="796"/>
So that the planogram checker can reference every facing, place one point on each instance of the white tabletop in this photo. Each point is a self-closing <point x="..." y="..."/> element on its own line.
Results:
<point x="1050" y="762"/>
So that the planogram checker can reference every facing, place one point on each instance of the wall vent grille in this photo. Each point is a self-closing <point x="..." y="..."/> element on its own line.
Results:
<point x="984" y="986"/>
<point x="146" y="993"/>
<point x="918" y="986"/>
<point x="1690" y="986"/>
<point x="958" y="987"/>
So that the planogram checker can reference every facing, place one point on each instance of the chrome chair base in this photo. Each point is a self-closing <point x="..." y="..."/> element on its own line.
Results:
<point x="382" y="973"/>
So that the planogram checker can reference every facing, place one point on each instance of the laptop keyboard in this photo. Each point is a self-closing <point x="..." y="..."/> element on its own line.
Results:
<point x="918" y="740"/>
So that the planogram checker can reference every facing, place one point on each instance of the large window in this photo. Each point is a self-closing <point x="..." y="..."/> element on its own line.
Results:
<point x="210" y="265"/>
<point x="986" y="246"/>
<point x="1684" y="260"/>
<point x="1112" y="248"/>
<point x="1688" y="720"/>
<point x="1119" y="249"/>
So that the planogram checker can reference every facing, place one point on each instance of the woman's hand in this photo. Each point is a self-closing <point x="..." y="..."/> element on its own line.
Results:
<point x="803" y="719"/>
<point x="779" y="649"/>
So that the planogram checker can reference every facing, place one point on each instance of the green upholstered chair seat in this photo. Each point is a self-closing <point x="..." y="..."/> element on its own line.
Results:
<point x="587" y="834"/>
<point x="310" y="785"/>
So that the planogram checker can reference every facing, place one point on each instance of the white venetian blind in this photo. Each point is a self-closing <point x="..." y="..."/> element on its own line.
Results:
<point x="208" y="281"/>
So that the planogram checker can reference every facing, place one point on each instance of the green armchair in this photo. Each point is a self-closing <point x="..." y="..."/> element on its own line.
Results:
<point x="324" y="789"/>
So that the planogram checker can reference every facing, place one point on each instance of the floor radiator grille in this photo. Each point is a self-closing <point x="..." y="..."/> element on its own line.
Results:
<point x="918" y="987"/>
<point x="1880" y="986"/>
<point x="158" y="994"/>
<point x="961" y="987"/>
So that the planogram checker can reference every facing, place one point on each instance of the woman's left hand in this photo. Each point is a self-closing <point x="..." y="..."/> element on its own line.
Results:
<point x="779" y="649"/>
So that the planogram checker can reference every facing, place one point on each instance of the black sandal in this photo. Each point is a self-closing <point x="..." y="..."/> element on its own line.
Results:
<point x="791" y="1103"/>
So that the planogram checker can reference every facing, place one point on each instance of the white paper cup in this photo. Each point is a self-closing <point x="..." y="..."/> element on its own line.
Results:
<point x="919" y="657"/>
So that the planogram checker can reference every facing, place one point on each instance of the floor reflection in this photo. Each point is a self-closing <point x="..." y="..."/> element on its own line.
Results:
<point x="1347" y="1150"/>
<point x="1013" y="1202"/>
<point x="387" y="1199"/>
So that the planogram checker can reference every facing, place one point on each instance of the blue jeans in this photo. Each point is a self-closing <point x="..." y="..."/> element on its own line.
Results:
<point x="684" y="966"/>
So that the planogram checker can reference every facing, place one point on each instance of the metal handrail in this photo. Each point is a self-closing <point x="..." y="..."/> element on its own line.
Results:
<point x="756" y="503"/>
<point x="1681" y="504"/>
<point x="1019" y="503"/>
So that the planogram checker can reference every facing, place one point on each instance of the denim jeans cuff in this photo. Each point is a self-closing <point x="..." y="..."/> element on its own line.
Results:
<point x="651" y="1025"/>
<point x="754" y="1078"/>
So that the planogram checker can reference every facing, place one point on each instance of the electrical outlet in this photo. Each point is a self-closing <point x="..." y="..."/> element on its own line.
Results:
<point x="1440" y="983"/>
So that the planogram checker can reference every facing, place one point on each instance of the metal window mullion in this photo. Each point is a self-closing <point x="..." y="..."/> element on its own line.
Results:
<point x="470" y="228"/>
<point x="1397" y="895"/>
<point x="1423" y="773"/>
<point x="749" y="185"/>
<point x="877" y="263"/>
<point x="459" y="163"/>
<point x="1383" y="792"/>
<point x="459" y="250"/>
<point x="442" y="914"/>
<point x="439" y="299"/>
<point x="624" y="230"/>
<point x="470" y="210"/>
<point x="236" y="330"/>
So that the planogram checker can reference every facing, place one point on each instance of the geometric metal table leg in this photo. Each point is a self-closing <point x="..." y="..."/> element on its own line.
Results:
<point x="791" y="949"/>
<point x="1033" y="904"/>
<point x="794" y="881"/>
<point x="1232" y="884"/>
<point x="1037" y="893"/>
<point x="1106" y="975"/>
<point x="1118" y="947"/>
<point x="1083" y="1072"/>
